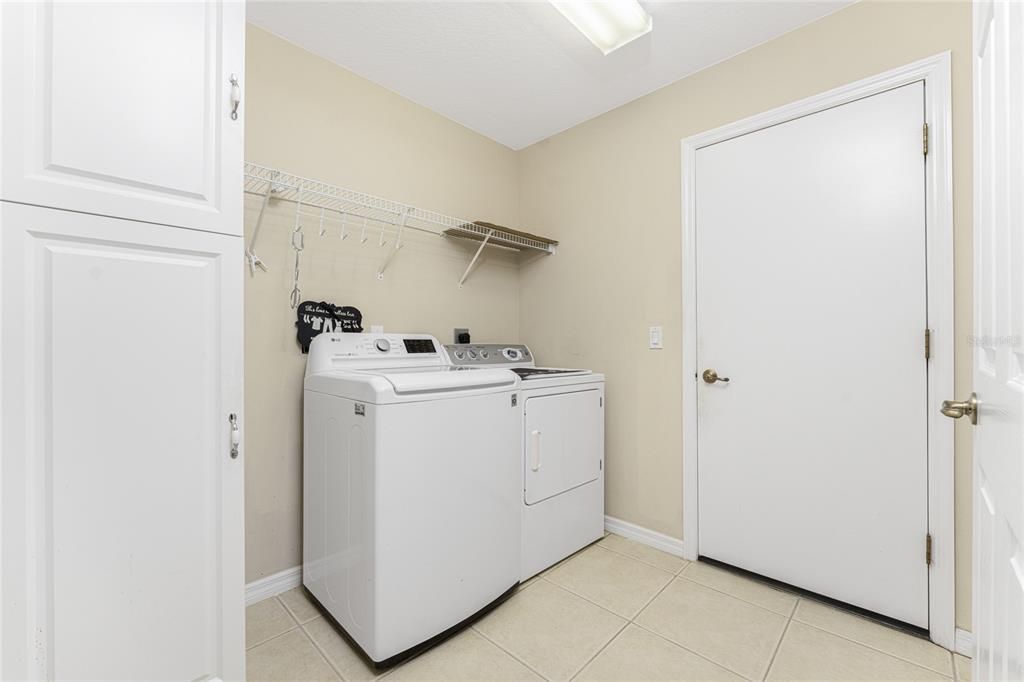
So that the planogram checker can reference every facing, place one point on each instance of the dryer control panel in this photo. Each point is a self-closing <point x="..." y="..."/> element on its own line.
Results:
<point x="509" y="355"/>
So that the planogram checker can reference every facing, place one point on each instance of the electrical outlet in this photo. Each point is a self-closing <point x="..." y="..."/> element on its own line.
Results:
<point x="460" y="335"/>
<point x="655" y="338"/>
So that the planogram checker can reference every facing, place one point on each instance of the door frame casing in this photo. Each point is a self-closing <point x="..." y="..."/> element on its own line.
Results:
<point x="935" y="72"/>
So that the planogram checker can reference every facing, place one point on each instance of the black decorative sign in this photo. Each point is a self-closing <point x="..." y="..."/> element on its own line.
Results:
<point x="315" y="318"/>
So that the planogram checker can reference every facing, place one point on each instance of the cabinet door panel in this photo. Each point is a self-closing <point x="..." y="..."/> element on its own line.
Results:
<point x="564" y="435"/>
<point x="121" y="506"/>
<point x="123" y="109"/>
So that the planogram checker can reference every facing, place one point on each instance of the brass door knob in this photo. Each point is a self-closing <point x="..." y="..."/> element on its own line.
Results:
<point x="711" y="376"/>
<point x="958" y="408"/>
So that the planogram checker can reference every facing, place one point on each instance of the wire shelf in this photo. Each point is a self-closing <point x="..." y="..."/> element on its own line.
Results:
<point x="279" y="185"/>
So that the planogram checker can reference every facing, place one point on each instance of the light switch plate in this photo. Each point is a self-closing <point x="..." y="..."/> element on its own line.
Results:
<point x="655" y="338"/>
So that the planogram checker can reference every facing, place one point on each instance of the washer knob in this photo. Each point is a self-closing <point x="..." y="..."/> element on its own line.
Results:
<point x="459" y="355"/>
<point x="512" y="354"/>
<point x="383" y="345"/>
<point x="483" y="354"/>
<point x="472" y="355"/>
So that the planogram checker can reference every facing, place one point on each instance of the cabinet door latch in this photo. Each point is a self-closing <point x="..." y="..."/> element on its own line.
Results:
<point x="236" y="436"/>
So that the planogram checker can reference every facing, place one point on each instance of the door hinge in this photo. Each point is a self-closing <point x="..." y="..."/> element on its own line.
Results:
<point x="924" y="138"/>
<point x="927" y="344"/>
<point x="928" y="549"/>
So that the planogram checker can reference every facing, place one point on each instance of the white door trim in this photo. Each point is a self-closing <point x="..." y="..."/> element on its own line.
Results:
<point x="935" y="72"/>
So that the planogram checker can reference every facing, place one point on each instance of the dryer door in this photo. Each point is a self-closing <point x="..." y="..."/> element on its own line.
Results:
<point x="563" y="443"/>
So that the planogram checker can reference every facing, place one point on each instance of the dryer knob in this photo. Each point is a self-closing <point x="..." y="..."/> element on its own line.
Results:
<point x="383" y="345"/>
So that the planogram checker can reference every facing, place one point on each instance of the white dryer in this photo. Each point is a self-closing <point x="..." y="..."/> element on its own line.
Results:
<point x="561" y="475"/>
<point x="411" y="520"/>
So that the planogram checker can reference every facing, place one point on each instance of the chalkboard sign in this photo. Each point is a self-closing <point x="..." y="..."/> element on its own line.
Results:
<point x="315" y="318"/>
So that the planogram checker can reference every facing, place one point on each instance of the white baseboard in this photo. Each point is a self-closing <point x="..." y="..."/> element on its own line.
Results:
<point x="645" y="536"/>
<point x="965" y="643"/>
<point x="273" y="585"/>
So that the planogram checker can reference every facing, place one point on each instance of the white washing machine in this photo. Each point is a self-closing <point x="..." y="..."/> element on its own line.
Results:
<point x="561" y="476"/>
<point x="411" y="519"/>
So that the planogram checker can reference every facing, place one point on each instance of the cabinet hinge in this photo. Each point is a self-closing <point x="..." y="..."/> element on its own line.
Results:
<point x="924" y="138"/>
<point x="928" y="549"/>
<point x="927" y="344"/>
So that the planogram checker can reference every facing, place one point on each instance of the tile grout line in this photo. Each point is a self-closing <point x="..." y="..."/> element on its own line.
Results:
<point x="295" y="624"/>
<point x="628" y="622"/>
<point x="617" y="615"/>
<point x="879" y="651"/>
<point x="673" y="642"/>
<point x="602" y="648"/>
<point x="323" y="653"/>
<point x="319" y="651"/>
<point x="524" y="663"/>
<point x="730" y="594"/>
<point x="646" y="629"/>
<point x="689" y="650"/>
<point x="270" y="639"/>
<point x="778" y="645"/>
<point x="648" y="563"/>
<point x="793" y="617"/>
<point x="661" y="636"/>
<point x="637" y="559"/>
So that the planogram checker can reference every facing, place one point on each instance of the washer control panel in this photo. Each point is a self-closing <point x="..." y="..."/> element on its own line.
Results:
<point x="489" y="354"/>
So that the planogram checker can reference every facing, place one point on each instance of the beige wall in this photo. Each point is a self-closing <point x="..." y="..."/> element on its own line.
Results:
<point x="609" y="190"/>
<point x="312" y="118"/>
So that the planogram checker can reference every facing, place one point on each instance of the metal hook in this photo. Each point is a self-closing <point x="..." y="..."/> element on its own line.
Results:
<point x="362" y="238"/>
<point x="298" y="240"/>
<point x="323" y="230"/>
<point x="296" y="296"/>
<point x="344" y="232"/>
<point x="382" y="240"/>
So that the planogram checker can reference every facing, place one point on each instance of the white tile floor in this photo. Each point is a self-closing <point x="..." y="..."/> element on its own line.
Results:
<point x="618" y="611"/>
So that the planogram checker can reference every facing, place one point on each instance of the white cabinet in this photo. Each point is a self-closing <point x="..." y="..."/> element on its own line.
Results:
<point x="124" y="109"/>
<point x="120" y="501"/>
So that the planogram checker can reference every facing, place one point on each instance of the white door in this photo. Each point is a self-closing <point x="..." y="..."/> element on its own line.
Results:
<point x="121" y="506"/>
<point x="123" y="109"/>
<point x="998" y="347"/>
<point x="811" y="301"/>
<point x="564" y="443"/>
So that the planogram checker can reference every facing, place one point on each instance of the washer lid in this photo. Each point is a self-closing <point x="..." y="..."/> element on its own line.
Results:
<point x="537" y="372"/>
<point x="440" y="379"/>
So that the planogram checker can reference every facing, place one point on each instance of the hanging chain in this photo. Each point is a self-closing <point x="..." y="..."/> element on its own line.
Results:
<point x="298" y="244"/>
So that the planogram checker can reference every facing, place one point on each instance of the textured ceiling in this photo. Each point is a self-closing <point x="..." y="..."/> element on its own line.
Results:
<point x="518" y="72"/>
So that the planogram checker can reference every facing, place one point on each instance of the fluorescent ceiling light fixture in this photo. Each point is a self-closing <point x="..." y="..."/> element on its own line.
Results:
<point x="609" y="24"/>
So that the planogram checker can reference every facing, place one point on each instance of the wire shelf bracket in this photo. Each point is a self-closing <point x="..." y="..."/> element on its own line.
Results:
<point x="469" y="268"/>
<point x="394" y="251"/>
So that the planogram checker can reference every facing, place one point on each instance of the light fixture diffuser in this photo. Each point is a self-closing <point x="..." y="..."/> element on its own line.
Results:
<point x="609" y="24"/>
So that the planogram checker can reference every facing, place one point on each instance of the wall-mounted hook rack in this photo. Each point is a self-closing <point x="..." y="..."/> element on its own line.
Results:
<point x="272" y="184"/>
